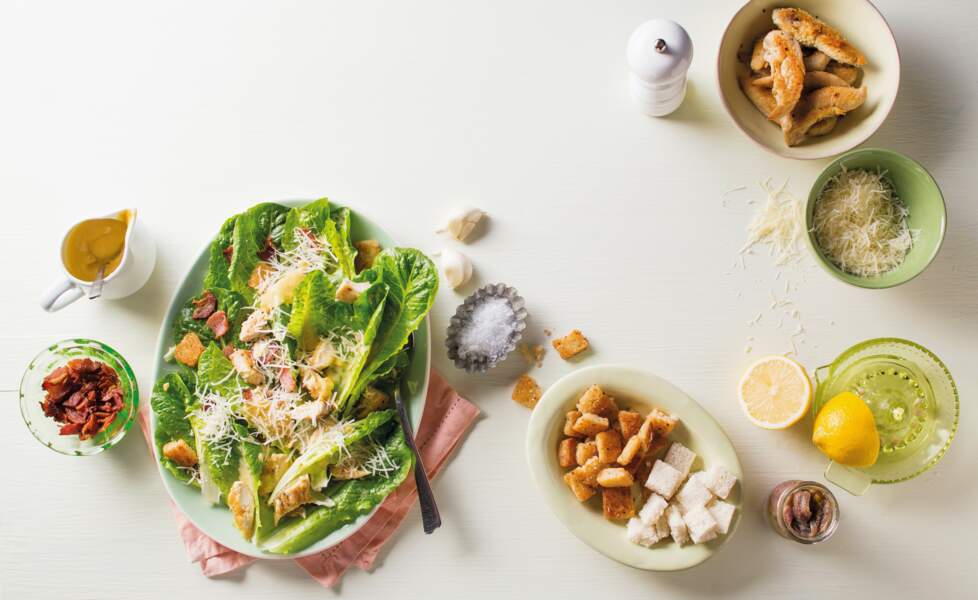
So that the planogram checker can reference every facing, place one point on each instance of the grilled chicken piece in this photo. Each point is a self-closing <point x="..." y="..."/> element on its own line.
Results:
<point x="832" y="101"/>
<point x="254" y="326"/>
<point x="847" y="73"/>
<point x="309" y="410"/>
<point x="272" y="470"/>
<point x="321" y="356"/>
<point x="349" y="291"/>
<point x="348" y="470"/>
<point x="783" y="53"/>
<point x="242" y="505"/>
<point x="319" y="387"/>
<point x="816" y="61"/>
<point x="813" y="80"/>
<point x="810" y="31"/>
<point x="372" y="400"/>
<point x="261" y="271"/>
<point x="244" y="364"/>
<point x="296" y="494"/>
<point x="761" y="96"/>
<point x="757" y="62"/>
<point x="823" y="127"/>
<point x="180" y="452"/>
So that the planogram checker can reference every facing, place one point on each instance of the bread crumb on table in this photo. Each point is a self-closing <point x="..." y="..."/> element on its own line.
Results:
<point x="571" y="344"/>
<point x="527" y="391"/>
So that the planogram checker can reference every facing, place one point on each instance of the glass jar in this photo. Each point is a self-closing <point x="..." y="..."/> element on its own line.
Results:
<point x="803" y="511"/>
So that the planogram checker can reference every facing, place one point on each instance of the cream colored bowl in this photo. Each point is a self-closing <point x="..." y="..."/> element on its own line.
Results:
<point x="642" y="390"/>
<point x="863" y="25"/>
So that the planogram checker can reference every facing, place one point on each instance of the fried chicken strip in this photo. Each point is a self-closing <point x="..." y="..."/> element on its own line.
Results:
<point x="783" y="53"/>
<point x="813" y="80"/>
<point x="832" y="101"/>
<point x="812" y="32"/>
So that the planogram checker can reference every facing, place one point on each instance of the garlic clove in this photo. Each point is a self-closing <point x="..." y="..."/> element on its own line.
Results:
<point x="462" y="222"/>
<point x="456" y="267"/>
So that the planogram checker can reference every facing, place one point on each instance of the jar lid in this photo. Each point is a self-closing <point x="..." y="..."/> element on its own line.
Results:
<point x="659" y="50"/>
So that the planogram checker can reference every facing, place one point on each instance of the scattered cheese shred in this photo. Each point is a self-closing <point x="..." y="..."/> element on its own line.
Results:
<point x="861" y="225"/>
<point x="778" y="224"/>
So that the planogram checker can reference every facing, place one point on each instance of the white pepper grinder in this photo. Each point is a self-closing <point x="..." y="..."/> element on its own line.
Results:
<point x="659" y="54"/>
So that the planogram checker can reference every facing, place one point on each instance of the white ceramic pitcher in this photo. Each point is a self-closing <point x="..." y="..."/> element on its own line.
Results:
<point x="138" y="260"/>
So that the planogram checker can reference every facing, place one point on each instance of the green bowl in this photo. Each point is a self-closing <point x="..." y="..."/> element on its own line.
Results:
<point x="915" y="187"/>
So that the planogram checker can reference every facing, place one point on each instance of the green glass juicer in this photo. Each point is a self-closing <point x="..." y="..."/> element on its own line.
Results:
<point x="914" y="402"/>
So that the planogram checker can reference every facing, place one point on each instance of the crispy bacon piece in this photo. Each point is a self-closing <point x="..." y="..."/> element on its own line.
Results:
<point x="267" y="251"/>
<point x="218" y="323"/>
<point x="228" y="350"/>
<point x="204" y="306"/>
<point x="228" y="253"/>
<point x="84" y="396"/>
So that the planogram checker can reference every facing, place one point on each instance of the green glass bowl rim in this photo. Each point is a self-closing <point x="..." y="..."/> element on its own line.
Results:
<point x="855" y="280"/>
<point x="98" y="347"/>
<point x="954" y="388"/>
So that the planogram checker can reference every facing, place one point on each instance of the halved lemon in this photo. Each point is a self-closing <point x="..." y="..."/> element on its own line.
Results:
<point x="775" y="392"/>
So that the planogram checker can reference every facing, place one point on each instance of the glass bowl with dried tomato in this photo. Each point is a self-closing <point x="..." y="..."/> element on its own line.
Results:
<point x="79" y="397"/>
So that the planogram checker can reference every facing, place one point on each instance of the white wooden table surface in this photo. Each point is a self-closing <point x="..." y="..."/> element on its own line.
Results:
<point x="603" y="219"/>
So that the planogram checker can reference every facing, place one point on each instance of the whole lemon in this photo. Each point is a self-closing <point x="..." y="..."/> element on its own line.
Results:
<point x="845" y="431"/>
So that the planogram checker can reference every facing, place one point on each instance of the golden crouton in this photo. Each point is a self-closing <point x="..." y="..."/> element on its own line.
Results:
<point x="572" y="417"/>
<point x="596" y="402"/>
<point x="629" y="423"/>
<point x="640" y="468"/>
<point x="662" y="423"/>
<point x="617" y="503"/>
<point x="180" y="453"/>
<point x="588" y="472"/>
<point x="580" y="490"/>
<point x="609" y="444"/>
<point x="584" y="451"/>
<point x="527" y="391"/>
<point x="615" y="477"/>
<point x="367" y="251"/>
<point x="590" y="424"/>
<point x="261" y="271"/>
<point x="646" y="433"/>
<point x="189" y="349"/>
<point x="571" y="344"/>
<point x="658" y="444"/>
<point x="567" y="452"/>
<point x="630" y="451"/>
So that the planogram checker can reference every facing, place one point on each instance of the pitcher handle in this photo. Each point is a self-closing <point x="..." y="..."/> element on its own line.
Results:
<point x="60" y="294"/>
<point x="851" y="480"/>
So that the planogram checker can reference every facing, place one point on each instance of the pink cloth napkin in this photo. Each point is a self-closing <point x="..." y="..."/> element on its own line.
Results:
<point x="446" y="419"/>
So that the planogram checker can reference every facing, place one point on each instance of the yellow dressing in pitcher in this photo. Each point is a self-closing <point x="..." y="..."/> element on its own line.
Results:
<point x="94" y="243"/>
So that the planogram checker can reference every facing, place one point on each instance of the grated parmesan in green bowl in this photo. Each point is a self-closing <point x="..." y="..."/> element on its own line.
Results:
<point x="875" y="218"/>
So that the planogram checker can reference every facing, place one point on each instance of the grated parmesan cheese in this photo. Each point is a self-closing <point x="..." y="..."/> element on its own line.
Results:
<point x="778" y="224"/>
<point x="861" y="225"/>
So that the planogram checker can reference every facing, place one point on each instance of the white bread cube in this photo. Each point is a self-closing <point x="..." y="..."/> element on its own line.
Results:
<point x="719" y="481"/>
<point x="722" y="512"/>
<point x="662" y="527"/>
<point x="654" y="508"/>
<point x="677" y="526"/>
<point x="701" y="525"/>
<point x="664" y="479"/>
<point x="640" y="533"/>
<point x="693" y="495"/>
<point x="680" y="458"/>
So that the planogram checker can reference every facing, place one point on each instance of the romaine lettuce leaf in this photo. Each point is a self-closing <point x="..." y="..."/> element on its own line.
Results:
<point x="329" y="451"/>
<point x="312" y="216"/>
<point x="252" y="229"/>
<point x="411" y="280"/>
<point x="232" y="303"/>
<point x="352" y="499"/>
<point x="250" y="468"/>
<point x="315" y="312"/>
<point x="169" y="402"/>
<point x="217" y="264"/>
<point x="218" y="458"/>
<point x="337" y="231"/>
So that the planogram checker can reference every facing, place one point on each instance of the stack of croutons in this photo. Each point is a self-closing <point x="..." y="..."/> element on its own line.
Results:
<point x="610" y="449"/>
